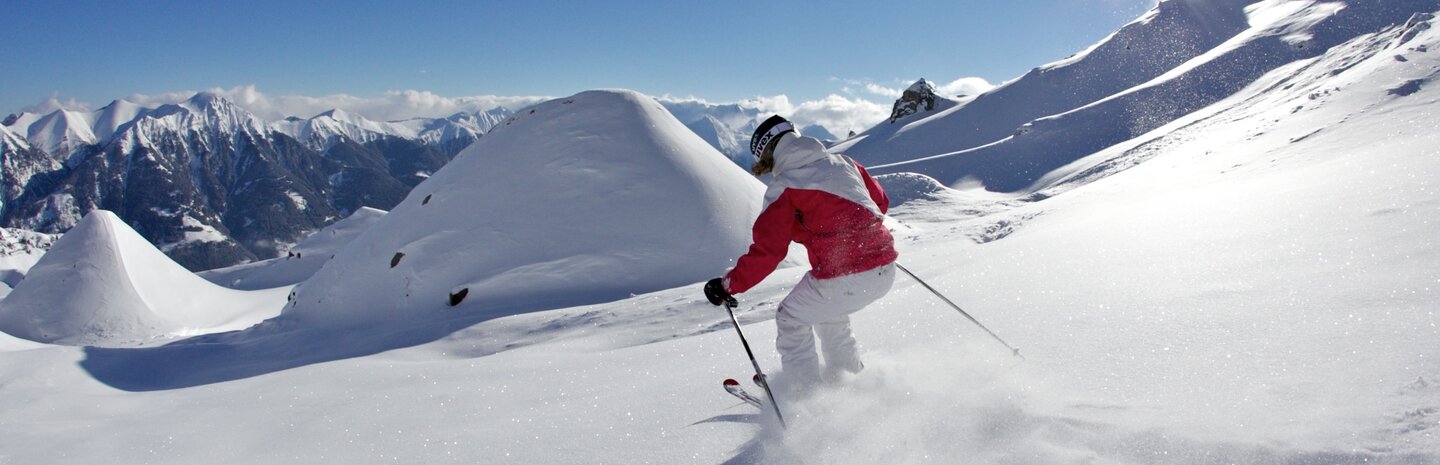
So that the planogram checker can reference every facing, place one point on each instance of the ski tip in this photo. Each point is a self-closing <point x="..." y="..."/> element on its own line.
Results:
<point x="731" y="382"/>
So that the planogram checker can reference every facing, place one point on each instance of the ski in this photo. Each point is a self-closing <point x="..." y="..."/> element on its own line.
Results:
<point x="733" y="387"/>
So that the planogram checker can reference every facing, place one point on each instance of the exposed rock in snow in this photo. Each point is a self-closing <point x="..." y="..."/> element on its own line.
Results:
<point x="920" y="96"/>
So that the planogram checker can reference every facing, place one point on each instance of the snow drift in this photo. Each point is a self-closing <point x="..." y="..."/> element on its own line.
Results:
<point x="578" y="200"/>
<point x="101" y="284"/>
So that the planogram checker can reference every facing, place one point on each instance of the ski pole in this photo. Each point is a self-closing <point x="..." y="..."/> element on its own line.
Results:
<point x="764" y="383"/>
<point x="958" y="309"/>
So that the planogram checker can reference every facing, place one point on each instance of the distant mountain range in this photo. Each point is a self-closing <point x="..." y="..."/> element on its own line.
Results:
<point x="210" y="183"/>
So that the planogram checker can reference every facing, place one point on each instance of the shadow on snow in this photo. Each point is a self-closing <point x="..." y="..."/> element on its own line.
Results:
<point x="274" y="345"/>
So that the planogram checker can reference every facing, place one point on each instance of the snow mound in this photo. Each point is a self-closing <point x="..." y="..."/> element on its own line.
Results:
<point x="584" y="199"/>
<point x="102" y="284"/>
<point x="905" y="187"/>
<point x="302" y="261"/>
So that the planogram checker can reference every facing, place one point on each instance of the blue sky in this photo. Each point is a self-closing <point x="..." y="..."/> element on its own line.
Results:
<point x="93" y="52"/>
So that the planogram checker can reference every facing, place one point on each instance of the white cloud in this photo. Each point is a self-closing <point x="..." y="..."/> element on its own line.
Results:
<point x="155" y="100"/>
<point x="394" y="105"/>
<point x="970" y="86"/>
<point x="883" y="91"/>
<point x="53" y="102"/>
<point x="836" y="113"/>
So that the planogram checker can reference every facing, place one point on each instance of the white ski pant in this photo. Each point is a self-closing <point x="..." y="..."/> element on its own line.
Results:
<point x="822" y="307"/>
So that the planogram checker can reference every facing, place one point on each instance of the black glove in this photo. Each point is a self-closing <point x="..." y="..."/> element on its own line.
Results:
<point x="715" y="291"/>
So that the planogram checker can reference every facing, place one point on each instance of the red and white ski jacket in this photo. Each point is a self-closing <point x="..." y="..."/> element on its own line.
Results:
<point x="826" y="202"/>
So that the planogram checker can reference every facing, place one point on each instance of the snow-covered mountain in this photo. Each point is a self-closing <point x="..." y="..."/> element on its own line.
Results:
<point x="62" y="132"/>
<point x="18" y="163"/>
<point x="456" y="131"/>
<point x="727" y="140"/>
<point x="318" y="131"/>
<point x="728" y="127"/>
<point x="113" y="117"/>
<point x="203" y="179"/>
<point x="209" y="182"/>
<point x="101" y="284"/>
<point x="452" y="133"/>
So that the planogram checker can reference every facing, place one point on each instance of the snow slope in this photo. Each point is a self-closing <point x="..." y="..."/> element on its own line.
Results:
<point x="1174" y="32"/>
<point x="113" y="118"/>
<point x="302" y="261"/>
<point x="1279" y="33"/>
<point x="102" y="284"/>
<point x="584" y="199"/>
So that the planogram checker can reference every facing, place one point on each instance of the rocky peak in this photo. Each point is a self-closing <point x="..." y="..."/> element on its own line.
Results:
<point x="921" y="96"/>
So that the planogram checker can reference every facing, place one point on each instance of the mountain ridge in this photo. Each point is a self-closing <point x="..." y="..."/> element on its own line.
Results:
<point x="207" y="181"/>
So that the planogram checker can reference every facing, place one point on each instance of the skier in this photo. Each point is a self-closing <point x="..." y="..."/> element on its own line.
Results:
<point x="832" y="206"/>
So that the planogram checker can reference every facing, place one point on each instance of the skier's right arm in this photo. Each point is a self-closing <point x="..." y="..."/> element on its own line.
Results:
<point x="770" y="242"/>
